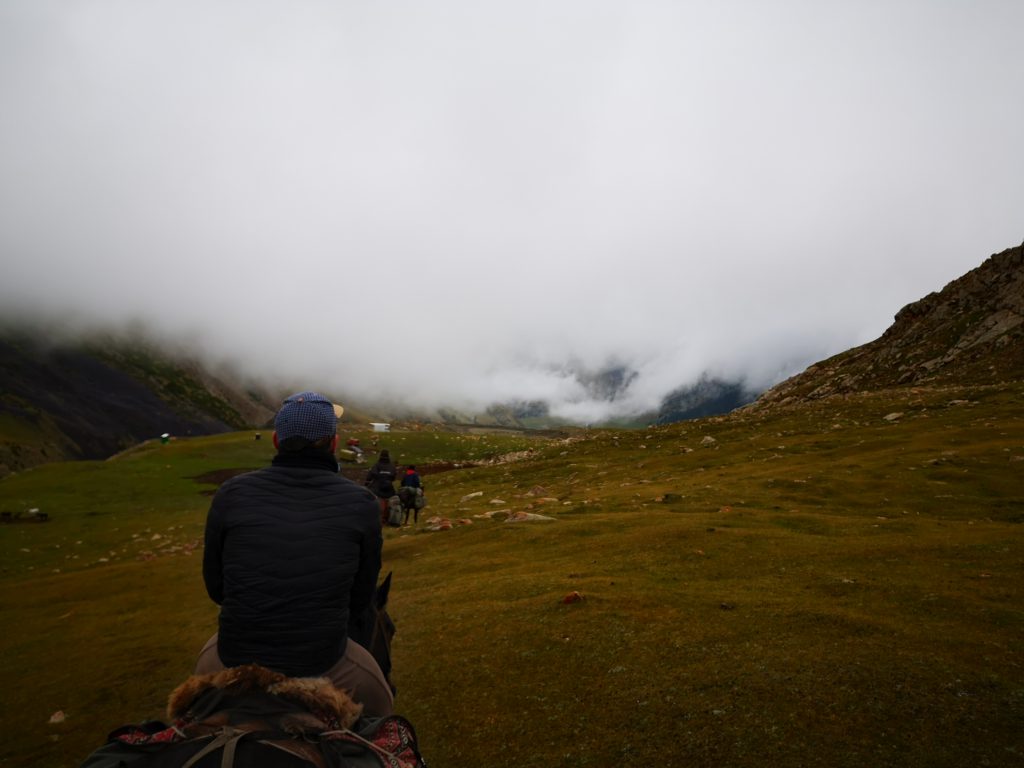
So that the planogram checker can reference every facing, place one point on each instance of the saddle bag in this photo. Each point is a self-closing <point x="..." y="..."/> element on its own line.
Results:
<point x="388" y="742"/>
<point x="395" y="511"/>
<point x="250" y="717"/>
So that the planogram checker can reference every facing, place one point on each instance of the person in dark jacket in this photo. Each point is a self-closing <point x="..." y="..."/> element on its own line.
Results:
<point x="411" y="478"/>
<point x="380" y="479"/>
<point x="292" y="556"/>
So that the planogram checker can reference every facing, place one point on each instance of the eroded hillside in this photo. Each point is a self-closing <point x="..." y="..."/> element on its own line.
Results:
<point x="970" y="332"/>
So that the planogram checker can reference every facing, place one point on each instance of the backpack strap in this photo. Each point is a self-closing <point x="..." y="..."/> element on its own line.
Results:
<point x="311" y="752"/>
<point x="227" y="738"/>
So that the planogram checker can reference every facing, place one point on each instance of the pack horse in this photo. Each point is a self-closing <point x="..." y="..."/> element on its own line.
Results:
<point x="253" y="717"/>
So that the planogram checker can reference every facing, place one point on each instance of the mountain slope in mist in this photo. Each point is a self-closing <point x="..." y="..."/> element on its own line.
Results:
<point x="91" y="399"/>
<point x="708" y="397"/>
<point x="970" y="332"/>
<point x="88" y="400"/>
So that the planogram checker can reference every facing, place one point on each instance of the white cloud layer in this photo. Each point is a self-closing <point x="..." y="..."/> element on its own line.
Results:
<point x="446" y="202"/>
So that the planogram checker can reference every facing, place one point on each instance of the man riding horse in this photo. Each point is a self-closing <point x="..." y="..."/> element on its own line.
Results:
<point x="292" y="556"/>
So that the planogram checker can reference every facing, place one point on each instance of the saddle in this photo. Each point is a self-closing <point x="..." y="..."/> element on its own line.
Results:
<point x="412" y="498"/>
<point x="252" y="716"/>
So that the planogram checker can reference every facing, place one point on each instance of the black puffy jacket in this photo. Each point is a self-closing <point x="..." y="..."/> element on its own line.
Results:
<point x="381" y="479"/>
<point x="291" y="551"/>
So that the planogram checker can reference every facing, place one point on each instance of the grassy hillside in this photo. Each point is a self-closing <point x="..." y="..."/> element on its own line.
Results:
<point x="88" y="399"/>
<point x="824" y="585"/>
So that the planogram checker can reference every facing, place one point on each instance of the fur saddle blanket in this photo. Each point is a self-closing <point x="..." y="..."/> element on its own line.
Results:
<point x="251" y="716"/>
<point x="297" y="704"/>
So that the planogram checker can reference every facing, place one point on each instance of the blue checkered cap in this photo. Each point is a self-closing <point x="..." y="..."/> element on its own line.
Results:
<point x="309" y="415"/>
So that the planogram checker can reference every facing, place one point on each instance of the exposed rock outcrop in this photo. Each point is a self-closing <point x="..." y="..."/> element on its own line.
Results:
<point x="970" y="332"/>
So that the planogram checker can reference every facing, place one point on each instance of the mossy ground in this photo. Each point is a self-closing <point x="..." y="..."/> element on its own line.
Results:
<point x="818" y="586"/>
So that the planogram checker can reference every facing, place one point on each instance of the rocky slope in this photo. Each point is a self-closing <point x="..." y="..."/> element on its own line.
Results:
<point x="88" y="400"/>
<point x="970" y="332"/>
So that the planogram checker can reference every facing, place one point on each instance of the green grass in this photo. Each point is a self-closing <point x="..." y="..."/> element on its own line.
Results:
<point x="823" y="587"/>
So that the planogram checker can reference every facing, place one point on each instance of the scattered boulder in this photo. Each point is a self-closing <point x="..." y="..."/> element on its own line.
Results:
<point x="32" y="516"/>
<point x="492" y="514"/>
<point x="708" y="440"/>
<point x="469" y="496"/>
<point x="445" y="524"/>
<point x="895" y="416"/>
<point x="522" y="517"/>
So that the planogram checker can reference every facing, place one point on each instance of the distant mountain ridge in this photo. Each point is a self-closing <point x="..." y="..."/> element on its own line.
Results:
<point x="90" y="399"/>
<point x="970" y="332"/>
<point x="710" y="396"/>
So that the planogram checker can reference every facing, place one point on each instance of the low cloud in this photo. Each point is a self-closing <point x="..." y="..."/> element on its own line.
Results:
<point x="453" y="205"/>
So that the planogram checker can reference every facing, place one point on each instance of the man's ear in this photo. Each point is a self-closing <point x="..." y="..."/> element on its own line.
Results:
<point x="334" y="444"/>
<point x="276" y="446"/>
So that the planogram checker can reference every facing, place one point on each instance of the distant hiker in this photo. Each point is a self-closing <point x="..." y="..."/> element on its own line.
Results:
<point x="411" y="478"/>
<point x="353" y="445"/>
<point x="380" y="479"/>
<point x="293" y="552"/>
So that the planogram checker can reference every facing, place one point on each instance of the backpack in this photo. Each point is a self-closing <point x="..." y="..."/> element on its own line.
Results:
<point x="395" y="511"/>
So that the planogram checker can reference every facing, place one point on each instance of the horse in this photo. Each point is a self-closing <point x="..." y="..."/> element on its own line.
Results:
<point x="253" y="717"/>
<point x="412" y="501"/>
<point x="374" y="629"/>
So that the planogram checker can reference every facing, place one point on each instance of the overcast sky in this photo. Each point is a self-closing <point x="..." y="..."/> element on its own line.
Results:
<point x="450" y="201"/>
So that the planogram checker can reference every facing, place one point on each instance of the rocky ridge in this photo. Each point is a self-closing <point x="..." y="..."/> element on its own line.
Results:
<point x="970" y="332"/>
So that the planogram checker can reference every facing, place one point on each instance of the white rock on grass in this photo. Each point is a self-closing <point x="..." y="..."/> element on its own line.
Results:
<point x="522" y="517"/>
<point x="469" y="496"/>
